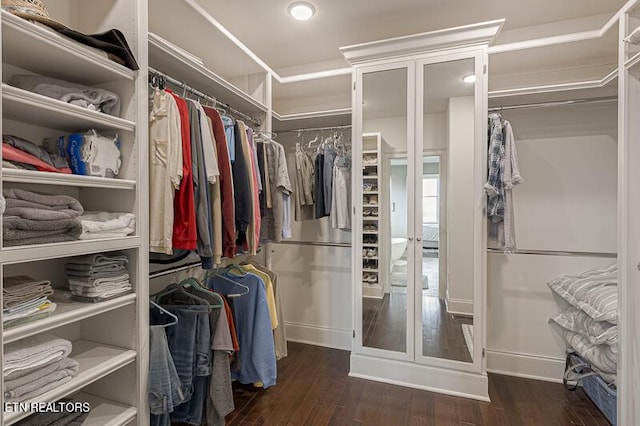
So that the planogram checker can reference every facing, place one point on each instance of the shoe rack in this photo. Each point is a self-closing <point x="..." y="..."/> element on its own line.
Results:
<point x="372" y="232"/>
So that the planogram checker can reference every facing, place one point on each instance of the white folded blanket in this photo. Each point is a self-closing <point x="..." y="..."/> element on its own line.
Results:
<point x="102" y="294"/>
<point x="33" y="352"/>
<point x="97" y="225"/>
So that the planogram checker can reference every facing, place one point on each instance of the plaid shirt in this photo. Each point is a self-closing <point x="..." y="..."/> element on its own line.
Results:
<point x="496" y="162"/>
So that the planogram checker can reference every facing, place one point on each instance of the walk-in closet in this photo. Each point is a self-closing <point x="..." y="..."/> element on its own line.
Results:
<point x="320" y="213"/>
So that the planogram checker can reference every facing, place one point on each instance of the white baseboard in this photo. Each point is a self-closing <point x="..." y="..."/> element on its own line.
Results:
<point x="319" y="336"/>
<point x="459" y="306"/>
<point x="536" y="367"/>
<point x="450" y="382"/>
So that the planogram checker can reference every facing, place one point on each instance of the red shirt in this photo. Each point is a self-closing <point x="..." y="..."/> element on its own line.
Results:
<point x="226" y="185"/>
<point x="184" y="209"/>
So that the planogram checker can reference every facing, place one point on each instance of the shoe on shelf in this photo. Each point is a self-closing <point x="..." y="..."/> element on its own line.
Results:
<point x="365" y="252"/>
<point x="372" y="252"/>
<point x="373" y="200"/>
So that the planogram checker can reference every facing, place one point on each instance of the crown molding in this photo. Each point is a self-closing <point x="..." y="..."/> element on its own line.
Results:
<point x="465" y="36"/>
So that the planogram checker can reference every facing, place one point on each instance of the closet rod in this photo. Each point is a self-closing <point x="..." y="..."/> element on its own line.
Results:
<point x="200" y="94"/>
<point x="554" y="253"/>
<point x="313" y="243"/>
<point x="557" y="103"/>
<point x="318" y="129"/>
<point x="170" y="271"/>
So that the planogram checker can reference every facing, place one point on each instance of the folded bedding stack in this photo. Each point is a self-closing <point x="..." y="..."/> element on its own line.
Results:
<point x="64" y="417"/>
<point x="97" y="225"/>
<point x="98" y="277"/>
<point x="20" y="153"/>
<point x="36" y="365"/>
<point x="589" y="325"/>
<point x="33" y="218"/>
<point x="25" y="300"/>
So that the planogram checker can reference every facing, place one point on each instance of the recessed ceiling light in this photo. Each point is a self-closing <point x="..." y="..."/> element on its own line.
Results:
<point x="471" y="78"/>
<point x="301" y="10"/>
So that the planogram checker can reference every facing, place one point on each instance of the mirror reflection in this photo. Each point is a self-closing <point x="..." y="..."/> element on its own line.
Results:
<point x="447" y="283"/>
<point x="384" y="304"/>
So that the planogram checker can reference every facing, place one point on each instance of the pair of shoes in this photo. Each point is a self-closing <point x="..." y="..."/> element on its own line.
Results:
<point x="366" y="212"/>
<point x="370" y="228"/>
<point x="370" y="278"/>
<point x="372" y="252"/>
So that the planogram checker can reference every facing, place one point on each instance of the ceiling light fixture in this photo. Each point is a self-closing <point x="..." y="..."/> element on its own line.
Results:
<point x="302" y="11"/>
<point x="469" y="79"/>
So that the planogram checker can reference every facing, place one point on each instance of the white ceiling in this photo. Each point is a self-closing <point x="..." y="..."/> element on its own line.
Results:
<point x="280" y="41"/>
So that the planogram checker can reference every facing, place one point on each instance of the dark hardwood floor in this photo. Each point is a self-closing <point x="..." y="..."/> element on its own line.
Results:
<point x="442" y="335"/>
<point x="314" y="389"/>
<point x="384" y="323"/>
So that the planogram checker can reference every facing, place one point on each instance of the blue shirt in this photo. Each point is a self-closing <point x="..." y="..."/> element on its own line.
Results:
<point x="230" y="134"/>
<point x="253" y="325"/>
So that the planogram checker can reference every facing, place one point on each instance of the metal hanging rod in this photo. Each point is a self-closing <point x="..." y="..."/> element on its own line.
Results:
<point x="185" y="86"/>
<point x="314" y="243"/>
<point x="555" y="253"/>
<point x="170" y="271"/>
<point x="557" y="103"/>
<point x="318" y="129"/>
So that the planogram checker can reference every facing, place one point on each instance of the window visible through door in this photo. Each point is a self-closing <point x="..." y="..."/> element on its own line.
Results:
<point x="430" y="195"/>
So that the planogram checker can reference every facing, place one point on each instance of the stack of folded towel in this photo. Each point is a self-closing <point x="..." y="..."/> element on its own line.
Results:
<point x="25" y="300"/>
<point x="36" y="365"/>
<point x="20" y="153"/>
<point x="98" y="277"/>
<point x="32" y="218"/>
<point x="97" y="225"/>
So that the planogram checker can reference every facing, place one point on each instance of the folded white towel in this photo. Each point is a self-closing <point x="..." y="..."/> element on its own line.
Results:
<point x="38" y="381"/>
<point x="106" y="225"/>
<point x="34" y="351"/>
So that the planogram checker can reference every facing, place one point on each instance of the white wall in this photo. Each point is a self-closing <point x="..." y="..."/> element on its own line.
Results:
<point x="399" y="197"/>
<point x="567" y="157"/>
<point x="394" y="131"/>
<point x="314" y="282"/>
<point x="460" y="206"/>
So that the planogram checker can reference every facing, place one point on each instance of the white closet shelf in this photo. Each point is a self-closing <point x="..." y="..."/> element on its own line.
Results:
<point x="370" y="270"/>
<point x="632" y="62"/>
<point x="96" y="361"/>
<point x="370" y="151"/>
<point x="370" y="218"/>
<point x="370" y="177"/>
<point x="370" y="192"/>
<point x="164" y="57"/>
<point x="369" y="245"/>
<point x="30" y="253"/>
<point x="370" y="205"/>
<point x="46" y="52"/>
<point x="29" y="107"/>
<point x="47" y="178"/>
<point x="370" y="258"/>
<point x="105" y="412"/>
<point x="66" y="313"/>
<point x="370" y="232"/>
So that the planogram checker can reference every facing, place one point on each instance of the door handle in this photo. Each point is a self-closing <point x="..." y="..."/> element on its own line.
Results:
<point x="410" y="238"/>
<point x="418" y="239"/>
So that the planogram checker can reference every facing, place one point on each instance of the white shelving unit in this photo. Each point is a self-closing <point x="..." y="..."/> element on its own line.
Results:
<point x="371" y="172"/>
<point x="110" y="338"/>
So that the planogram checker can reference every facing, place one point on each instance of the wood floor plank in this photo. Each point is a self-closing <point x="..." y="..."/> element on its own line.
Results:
<point x="313" y="388"/>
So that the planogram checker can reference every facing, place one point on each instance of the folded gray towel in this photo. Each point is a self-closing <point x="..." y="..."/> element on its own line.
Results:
<point x="33" y="352"/>
<point x="19" y="289"/>
<point x="98" y="282"/>
<point x="100" y="259"/>
<point x="34" y="379"/>
<point x="73" y="93"/>
<point x="95" y="274"/>
<point x="17" y="231"/>
<point x="99" y="299"/>
<point x="44" y="385"/>
<point x="31" y="205"/>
